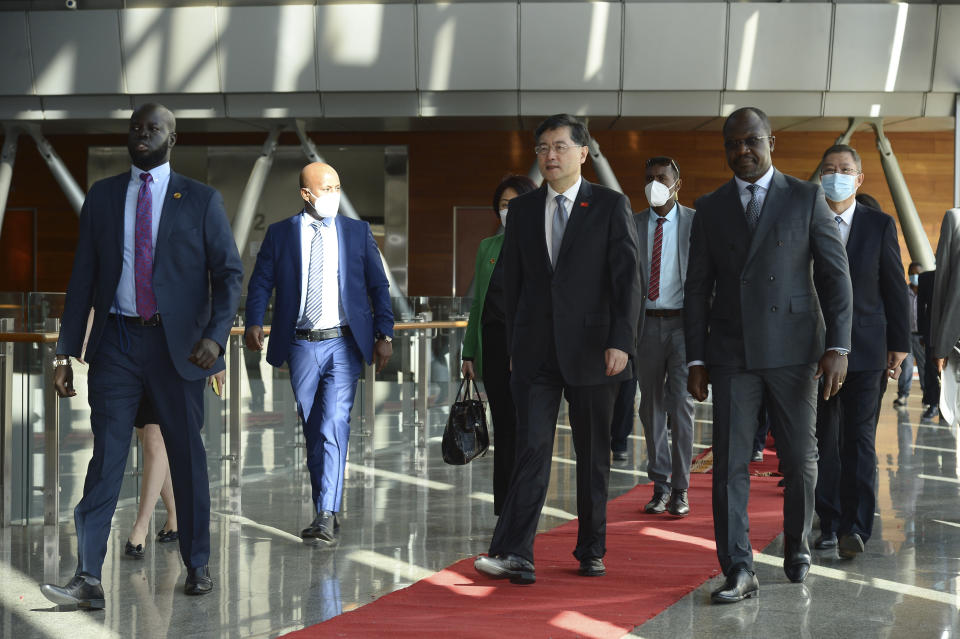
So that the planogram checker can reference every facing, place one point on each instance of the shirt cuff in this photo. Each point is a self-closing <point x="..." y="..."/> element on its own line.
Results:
<point x="842" y="351"/>
<point x="696" y="362"/>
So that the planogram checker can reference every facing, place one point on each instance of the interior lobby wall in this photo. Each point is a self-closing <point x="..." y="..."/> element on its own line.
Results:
<point x="462" y="168"/>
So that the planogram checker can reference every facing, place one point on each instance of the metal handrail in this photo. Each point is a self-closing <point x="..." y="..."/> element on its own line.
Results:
<point x="424" y="330"/>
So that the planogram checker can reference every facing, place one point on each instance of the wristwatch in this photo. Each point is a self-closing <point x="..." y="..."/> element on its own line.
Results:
<point x="61" y="360"/>
<point x="380" y="336"/>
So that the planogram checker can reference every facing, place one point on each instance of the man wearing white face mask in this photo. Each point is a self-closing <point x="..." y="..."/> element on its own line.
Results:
<point x="327" y="273"/>
<point x="846" y="423"/>
<point x="664" y="234"/>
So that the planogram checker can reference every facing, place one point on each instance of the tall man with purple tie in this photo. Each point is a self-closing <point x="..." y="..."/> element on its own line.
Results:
<point x="332" y="311"/>
<point x="157" y="262"/>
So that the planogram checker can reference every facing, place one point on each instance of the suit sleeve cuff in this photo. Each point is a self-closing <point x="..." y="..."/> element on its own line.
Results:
<point x="696" y="362"/>
<point x="841" y="351"/>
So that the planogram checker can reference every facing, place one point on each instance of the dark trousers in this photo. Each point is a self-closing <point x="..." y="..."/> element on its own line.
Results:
<point x="496" y="381"/>
<point x="790" y="396"/>
<point x="846" y="497"/>
<point x="538" y="405"/>
<point x="118" y="379"/>
<point x="621" y="425"/>
<point x="931" y="387"/>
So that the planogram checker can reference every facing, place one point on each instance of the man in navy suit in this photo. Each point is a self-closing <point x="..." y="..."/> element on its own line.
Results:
<point x="846" y="423"/>
<point x="327" y="272"/>
<point x="157" y="262"/>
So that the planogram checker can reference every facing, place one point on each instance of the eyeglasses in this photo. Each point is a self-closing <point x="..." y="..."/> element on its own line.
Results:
<point x="327" y="190"/>
<point x="829" y="170"/>
<point x="559" y="148"/>
<point x="750" y="143"/>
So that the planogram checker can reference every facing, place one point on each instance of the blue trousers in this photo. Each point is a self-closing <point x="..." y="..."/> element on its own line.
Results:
<point x="118" y="378"/>
<point x="324" y="378"/>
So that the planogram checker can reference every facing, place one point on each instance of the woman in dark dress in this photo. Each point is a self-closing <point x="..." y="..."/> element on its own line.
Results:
<point x="485" y="355"/>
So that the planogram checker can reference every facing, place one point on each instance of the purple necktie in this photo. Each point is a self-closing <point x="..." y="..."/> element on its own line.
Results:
<point x="143" y="251"/>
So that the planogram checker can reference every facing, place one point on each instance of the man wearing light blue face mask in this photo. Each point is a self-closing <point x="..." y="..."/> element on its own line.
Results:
<point x="846" y="424"/>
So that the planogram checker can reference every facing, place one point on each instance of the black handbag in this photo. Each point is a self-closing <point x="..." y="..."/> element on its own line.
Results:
<point x="465" y="436"/>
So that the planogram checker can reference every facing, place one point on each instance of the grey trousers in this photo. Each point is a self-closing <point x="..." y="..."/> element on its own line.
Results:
<point x="790" y="393"/>
<point x="662" y="375"/>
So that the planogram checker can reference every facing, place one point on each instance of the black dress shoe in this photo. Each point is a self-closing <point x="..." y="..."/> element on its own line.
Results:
<point x="900" y="401"/>
<point x="592" y="567"/>
<point x="77" y="592"/>
<point x="930" y="414"/>
<point x="325" y="528"/>
<point x="134" y="552"/>
<point x="678" y="505"/>
<point x="658" y="504"/>
<point x="796" y="567"/>
<point x="850" y="545"/>
<point x="620" y="455"/>
<point x="826" y="541"/>
<point x="517" y="569"/>
<point x="198" y="581"/>
<point x="740" y="584"/>
<point x="166" y="536"/>
<point x="757" y="456"/>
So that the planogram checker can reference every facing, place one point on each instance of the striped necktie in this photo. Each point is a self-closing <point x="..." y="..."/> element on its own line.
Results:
<point x="653" y="289"/>
<point x="313" y="308"/>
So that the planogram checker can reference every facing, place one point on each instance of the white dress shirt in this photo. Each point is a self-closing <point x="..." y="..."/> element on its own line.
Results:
<point x="125" y="302"/>
<point x="846" y="221"/>
<point x="331" y="314"/>
<point x="671" y="289"/>
<point x="570" y="196"/>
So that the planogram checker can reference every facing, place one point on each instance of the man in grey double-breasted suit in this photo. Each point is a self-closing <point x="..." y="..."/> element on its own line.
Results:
<point x="755" y="330"/>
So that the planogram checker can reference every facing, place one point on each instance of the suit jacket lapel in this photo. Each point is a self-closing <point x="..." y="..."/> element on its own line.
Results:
<point x="856" y="239"/>
<point x="118" y="214"/>
<point x="683" y="239"/>
<point x="296" y="253"/>
<point x="644" y="258"/>
<point x="342" y="247"/>
<point x="577" y="218"/>
<point x="772" y="206"/>
<point x="176" y="193"/>
<point x="536" y="218"/>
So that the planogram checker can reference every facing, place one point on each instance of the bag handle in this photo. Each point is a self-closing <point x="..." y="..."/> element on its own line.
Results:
<point x="468" y="395"/>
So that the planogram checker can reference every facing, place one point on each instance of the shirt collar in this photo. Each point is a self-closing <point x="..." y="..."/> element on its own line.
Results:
<point x="306" y="220"/>
<point x="847" y="215"/>
<point x="670" y="217"/>
<point x="157" y="173"/>
<point x="763" y="182"/>
<point x="570" y="194"/>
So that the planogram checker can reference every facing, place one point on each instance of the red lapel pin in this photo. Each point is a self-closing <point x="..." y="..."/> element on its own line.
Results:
<point x="584" y="204"/>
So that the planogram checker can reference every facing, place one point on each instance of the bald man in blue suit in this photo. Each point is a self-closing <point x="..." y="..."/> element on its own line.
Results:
<point x="332" y="311"/>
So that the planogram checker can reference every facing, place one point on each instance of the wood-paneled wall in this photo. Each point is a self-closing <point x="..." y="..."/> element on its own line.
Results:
<point x="461" y="168"/>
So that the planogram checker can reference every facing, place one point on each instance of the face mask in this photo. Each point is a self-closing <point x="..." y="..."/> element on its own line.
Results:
<point x="657" y="193"/>
<point x="838" y="186"/>
<point x="914" y="279"/>
<point x="327" y="204"/>
<point x="503" y="216"/>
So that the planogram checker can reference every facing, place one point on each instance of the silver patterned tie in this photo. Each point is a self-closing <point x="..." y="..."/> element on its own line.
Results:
<point x="313" y="307"/>
<point x="559" y="225"/>
<point x="753" y="207"/>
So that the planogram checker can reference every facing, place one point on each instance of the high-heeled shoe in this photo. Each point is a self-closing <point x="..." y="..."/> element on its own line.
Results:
<point x="166" y="536"/>
<point x="134" y="552"/>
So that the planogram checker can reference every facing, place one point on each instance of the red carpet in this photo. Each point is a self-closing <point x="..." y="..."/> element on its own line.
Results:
<point x="652" y="561"/>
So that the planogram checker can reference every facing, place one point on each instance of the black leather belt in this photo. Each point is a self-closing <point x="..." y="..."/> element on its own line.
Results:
<point x="322" y="334"/>
<point x="664" y="312"/>
<point x="136" y="319"/>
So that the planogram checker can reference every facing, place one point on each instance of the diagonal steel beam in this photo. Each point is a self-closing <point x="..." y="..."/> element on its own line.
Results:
<point x="254" y="189"/>
<point x="61" y="173"/>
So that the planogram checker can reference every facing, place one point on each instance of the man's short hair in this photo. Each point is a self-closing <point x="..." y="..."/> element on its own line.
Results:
<point x="754" y="110"/>
<point x="578" y="131"/>
<point x="663" y="160"/>
<point x="844" y="148"/>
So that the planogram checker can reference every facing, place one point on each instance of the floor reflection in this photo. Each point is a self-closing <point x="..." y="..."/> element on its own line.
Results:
<point x="406" y="515"/>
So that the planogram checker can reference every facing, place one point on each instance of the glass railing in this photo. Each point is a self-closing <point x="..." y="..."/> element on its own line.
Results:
<point x="250" y="433"/>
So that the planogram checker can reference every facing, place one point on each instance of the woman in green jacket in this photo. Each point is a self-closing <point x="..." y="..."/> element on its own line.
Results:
<point x="485" y="353"/>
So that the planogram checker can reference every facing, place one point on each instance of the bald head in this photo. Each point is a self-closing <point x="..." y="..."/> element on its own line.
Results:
<point x="316" y="180"/>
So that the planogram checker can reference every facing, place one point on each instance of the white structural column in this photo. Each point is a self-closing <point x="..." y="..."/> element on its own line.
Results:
<point x="254" y="189"/>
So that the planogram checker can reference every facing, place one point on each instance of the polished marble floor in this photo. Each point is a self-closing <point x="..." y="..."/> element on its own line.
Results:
<point x="406" y="514"/>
